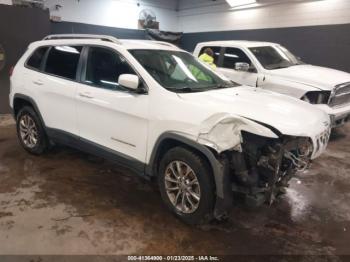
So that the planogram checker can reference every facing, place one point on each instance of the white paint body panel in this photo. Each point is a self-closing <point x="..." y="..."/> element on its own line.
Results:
<point x="249" y="79"/>
<point x="114" y="119"/>
<point x="132" y="123"/>
<point x="293" y="81"/>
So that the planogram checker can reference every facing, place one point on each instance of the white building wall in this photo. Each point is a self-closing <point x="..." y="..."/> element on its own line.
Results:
<point x="205" y="15"/>
<point x="115" y="13"/>
<point x="202" y="15"/>
<point x="5" y="2"/>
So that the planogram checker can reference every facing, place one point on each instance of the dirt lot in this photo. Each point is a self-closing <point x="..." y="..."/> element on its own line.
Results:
<point x="67" y="202"/>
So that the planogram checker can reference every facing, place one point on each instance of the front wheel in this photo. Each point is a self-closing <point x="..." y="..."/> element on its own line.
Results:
<point x="186" y="185"/>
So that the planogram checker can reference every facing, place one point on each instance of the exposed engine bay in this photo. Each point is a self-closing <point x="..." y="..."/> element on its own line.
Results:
<point x="257" y="160"/>
<point x="264" y="167"/>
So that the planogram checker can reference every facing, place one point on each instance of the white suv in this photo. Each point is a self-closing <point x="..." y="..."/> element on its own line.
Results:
<point x="154" y="108"/>
<point x="272" y="67"/>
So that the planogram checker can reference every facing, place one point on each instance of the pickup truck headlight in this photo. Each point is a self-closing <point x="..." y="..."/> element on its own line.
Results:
<point x="317" y="97"/>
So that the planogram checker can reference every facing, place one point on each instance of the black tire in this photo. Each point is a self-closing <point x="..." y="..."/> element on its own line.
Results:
<point x="205" y="208"/>
<point x="42" y="141"/>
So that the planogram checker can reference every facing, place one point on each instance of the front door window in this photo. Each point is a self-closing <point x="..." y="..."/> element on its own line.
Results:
<point x="236" y="55"/>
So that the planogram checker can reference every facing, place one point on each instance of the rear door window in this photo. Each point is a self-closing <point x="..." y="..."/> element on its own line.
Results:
<point x="63" y="61"/>
<point x="37" y="58"/>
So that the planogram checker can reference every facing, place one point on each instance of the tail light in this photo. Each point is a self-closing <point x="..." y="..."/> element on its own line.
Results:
<point x="11" y="71"/>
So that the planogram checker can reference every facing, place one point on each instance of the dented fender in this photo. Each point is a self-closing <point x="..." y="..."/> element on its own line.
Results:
<point x="222" y="131"/>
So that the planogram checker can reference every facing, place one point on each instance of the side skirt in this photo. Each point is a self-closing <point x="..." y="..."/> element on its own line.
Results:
<point x="70" y="140"/>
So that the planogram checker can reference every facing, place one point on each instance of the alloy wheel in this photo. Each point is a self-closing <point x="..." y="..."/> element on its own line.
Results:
<point x="28" y="131"/>
<point x="182" y="187"/>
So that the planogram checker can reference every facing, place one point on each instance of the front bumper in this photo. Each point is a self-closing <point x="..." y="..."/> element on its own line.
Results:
<point x="339" y="115"/>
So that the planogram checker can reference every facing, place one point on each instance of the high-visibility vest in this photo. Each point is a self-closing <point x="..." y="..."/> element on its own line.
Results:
<point x="208" y="60"/>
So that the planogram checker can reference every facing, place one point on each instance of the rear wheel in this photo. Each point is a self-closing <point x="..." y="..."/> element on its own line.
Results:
<point x="30" y="131"/>
<point x="187" y="186"/>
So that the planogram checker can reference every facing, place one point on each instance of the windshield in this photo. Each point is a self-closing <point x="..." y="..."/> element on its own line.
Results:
<point x="275" y="57"/>
<point x="179" y="71"/>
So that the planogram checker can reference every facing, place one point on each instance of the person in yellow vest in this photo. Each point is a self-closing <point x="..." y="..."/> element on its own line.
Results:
<point x="208" y="58"/>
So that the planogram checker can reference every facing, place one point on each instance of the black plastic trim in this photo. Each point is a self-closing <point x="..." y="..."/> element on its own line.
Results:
<point x="213" y="161"/>
<point x="220" y="168"/>
<point x="31" y="101"/>
<point x="71" y="140"/>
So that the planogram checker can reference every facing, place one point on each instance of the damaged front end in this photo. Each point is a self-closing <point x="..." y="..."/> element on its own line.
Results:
<point x="253" y="159"/>
<point x="264" y="166"/>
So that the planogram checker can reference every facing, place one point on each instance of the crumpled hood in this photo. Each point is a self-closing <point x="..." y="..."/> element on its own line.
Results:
<point x="315" y="76"/>
<point x="288" y="115"/>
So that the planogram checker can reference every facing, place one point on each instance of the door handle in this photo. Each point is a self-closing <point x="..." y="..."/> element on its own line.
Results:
<point x="86" y="95"/>
<point x="38" y="83"/>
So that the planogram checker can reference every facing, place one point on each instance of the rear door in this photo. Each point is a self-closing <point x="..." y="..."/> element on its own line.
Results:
<point x="58" y="86"/>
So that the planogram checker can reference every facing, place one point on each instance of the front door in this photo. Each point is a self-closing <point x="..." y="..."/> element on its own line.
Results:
<point x="231" y="56"/>
<point x="108" y="114"/>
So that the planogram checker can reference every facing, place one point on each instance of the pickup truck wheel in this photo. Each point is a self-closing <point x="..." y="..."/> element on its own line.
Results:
<point x="187" y="186"/>
<point x="30" y="131"/>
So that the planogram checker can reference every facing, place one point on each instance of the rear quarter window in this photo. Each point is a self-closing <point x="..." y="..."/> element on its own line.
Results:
<point x="36" y="59"/>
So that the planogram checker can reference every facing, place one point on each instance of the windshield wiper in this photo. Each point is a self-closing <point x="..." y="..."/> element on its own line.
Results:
<point x="185" y="89"/>
<point x="224" y="86"/>
<point x="280" y="67"/>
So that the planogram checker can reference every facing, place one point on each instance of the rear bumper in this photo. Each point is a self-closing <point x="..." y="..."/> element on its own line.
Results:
<point x="339" y="115"/>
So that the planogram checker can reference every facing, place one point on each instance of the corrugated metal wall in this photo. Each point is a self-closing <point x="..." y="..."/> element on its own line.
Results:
<point x="19" y="26"/>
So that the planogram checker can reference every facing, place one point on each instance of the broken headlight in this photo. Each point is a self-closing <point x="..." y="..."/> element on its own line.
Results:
<point x="300" y="153"/>
<point x="305" y="147"/>
<point x="317" y="97"/>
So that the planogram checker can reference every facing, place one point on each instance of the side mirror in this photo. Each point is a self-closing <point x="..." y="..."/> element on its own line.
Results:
<point x="129" y="81"/>
<point x="244" y="67"/>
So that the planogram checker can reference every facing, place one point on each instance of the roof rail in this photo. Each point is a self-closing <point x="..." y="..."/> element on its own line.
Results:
<point x="84" y="36"/>
<point x="164" y="43"/>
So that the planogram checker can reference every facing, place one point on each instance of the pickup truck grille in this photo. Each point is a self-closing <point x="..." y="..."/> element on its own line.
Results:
<point x="341" y="95"/>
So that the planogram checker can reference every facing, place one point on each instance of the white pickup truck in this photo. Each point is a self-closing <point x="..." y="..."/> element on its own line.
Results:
<point x="272" y="67"/>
